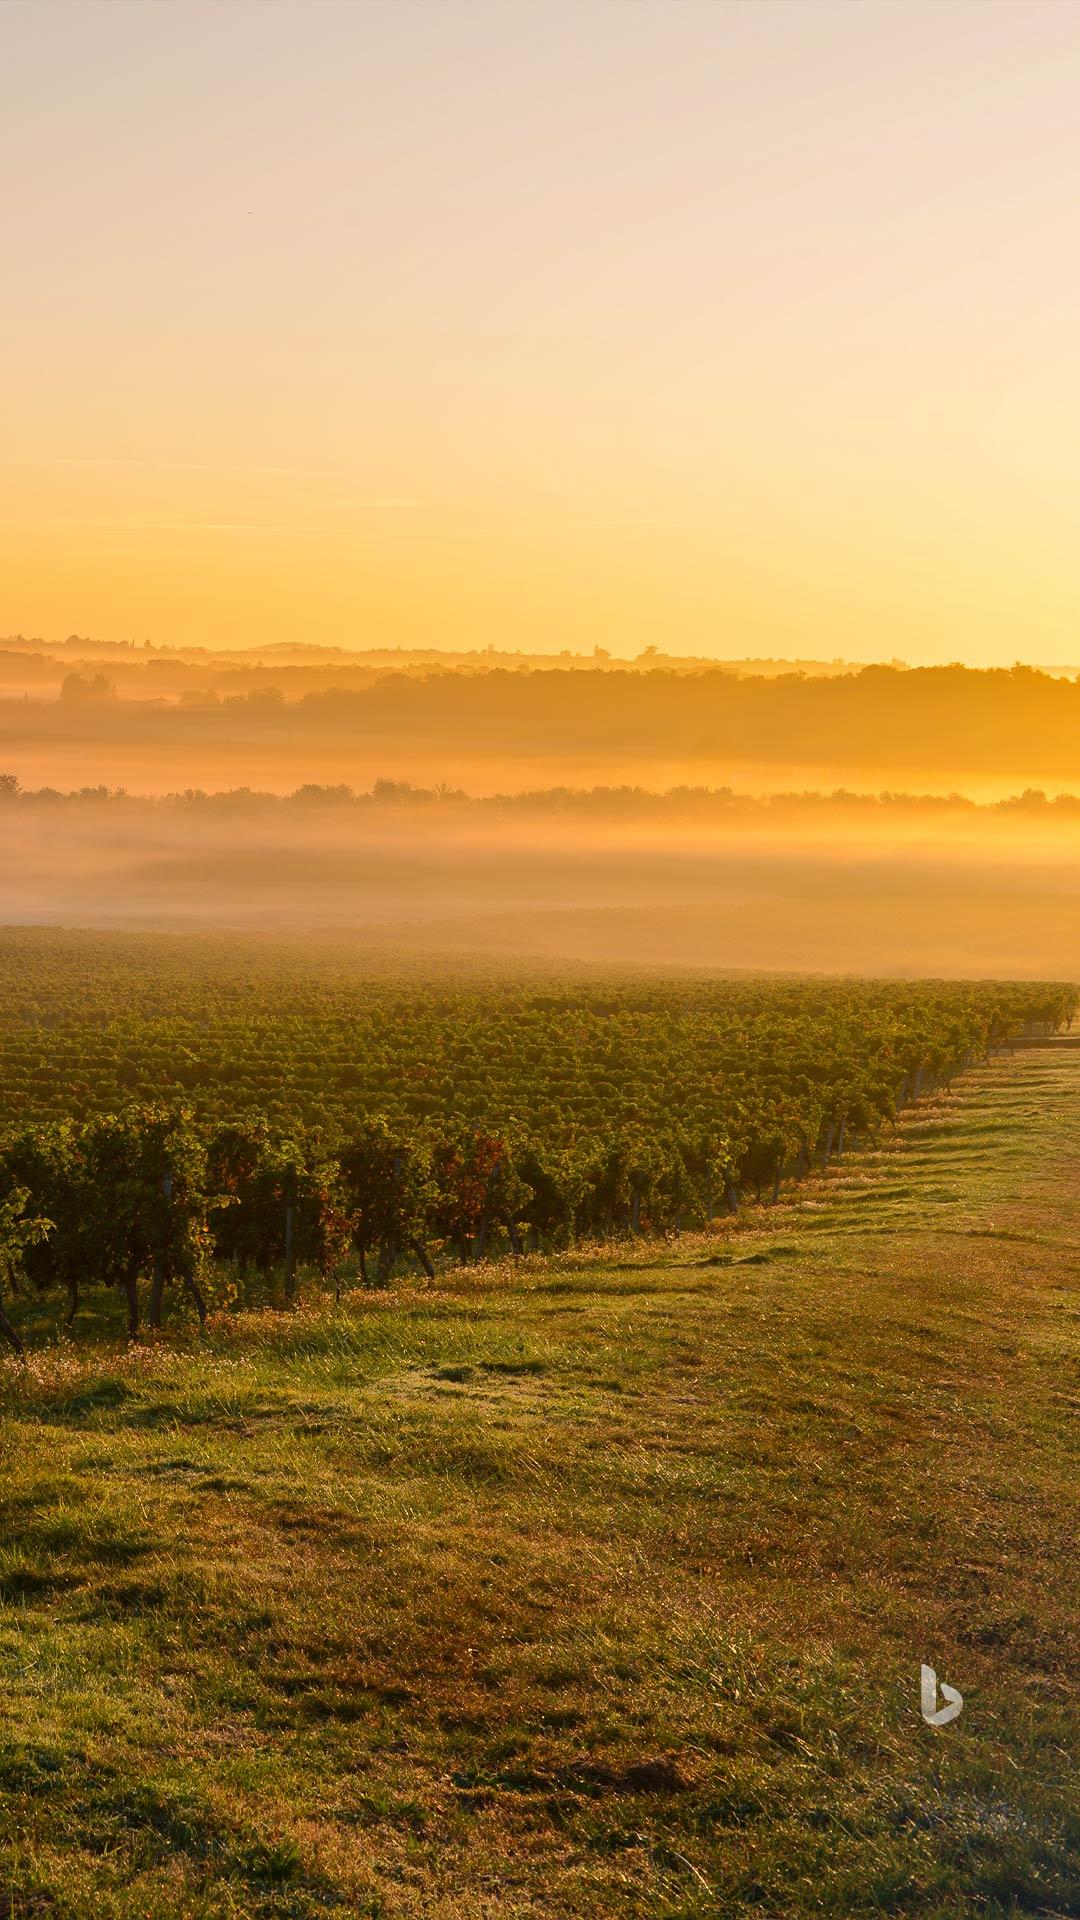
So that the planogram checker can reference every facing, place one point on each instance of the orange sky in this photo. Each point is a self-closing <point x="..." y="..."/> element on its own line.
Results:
<point x="732" y="328"/>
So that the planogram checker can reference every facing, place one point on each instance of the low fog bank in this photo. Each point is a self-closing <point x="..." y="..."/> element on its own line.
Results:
<point x="840" y="883"/>
<point x="917" y="926"/>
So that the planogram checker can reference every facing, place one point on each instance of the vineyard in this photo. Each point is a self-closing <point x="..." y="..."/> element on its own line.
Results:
<point x="213" y="1119"/>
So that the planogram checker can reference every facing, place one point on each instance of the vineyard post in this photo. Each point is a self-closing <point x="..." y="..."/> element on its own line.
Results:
<point x="388" y="1248"/>
<point x="290" y="1253"/>
<point x="131" y="1290"/>
<point x="423" y="1256"/>
<point x="10" y="1333"/>
<point x="481" y="1238"/>
<point x="157" y="1284"/>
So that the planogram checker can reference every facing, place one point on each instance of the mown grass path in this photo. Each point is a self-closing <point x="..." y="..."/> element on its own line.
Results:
<point x="581" y="1588"/>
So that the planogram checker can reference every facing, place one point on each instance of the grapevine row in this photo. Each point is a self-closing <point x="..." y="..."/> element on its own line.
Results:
<point x="361" y="1123"/>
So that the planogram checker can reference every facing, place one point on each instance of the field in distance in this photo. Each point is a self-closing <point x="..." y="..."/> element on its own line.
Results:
<point x="594" y="1585"/>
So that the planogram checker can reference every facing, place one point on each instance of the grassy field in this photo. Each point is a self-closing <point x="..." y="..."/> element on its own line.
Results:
<point x="586" y="1587"/>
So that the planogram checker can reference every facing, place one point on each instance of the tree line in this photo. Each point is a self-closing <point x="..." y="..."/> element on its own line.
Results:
<point x="953" y="719"/>
<point x="607" y="803"/>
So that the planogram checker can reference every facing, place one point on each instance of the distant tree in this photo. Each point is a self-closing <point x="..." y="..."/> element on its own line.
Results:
<point x="78" y="687"/>
<point x="265" y="699"/>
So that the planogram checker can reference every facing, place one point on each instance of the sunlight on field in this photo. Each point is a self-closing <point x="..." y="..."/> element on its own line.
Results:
<point x="539" y="931"/>
<point x="609" y="1576"/>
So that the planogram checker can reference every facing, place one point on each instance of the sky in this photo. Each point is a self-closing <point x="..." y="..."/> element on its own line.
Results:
<point x="725" y="328"/>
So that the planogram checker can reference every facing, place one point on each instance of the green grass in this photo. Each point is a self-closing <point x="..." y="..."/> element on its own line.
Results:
<point x="593" y="1586"/>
